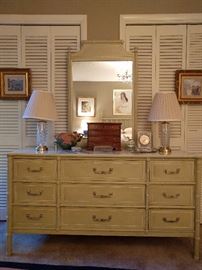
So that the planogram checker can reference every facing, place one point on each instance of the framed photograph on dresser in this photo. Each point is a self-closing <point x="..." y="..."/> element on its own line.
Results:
<point x="189" y="86"/>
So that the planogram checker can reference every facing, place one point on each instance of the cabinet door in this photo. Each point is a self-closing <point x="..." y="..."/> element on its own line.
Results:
<point x="193" y="116"/>
<point x="10" y="110"/>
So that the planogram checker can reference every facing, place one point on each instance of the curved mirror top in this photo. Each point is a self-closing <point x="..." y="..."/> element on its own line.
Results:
<point x="102" y="91"/>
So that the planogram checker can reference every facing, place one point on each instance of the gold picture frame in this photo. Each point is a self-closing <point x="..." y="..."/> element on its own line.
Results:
<point x="189" y="86"/>
<point x="15" y="83"/>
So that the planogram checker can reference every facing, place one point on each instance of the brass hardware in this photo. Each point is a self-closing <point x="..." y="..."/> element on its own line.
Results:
<point x="171" y="220"/>
<point x="30" y="193"/>
<point x="28" y="216"/>
<point x="172" y="172"/>
<point x="102" y="196"/>
<point x="101" y="219"/>
<point x="35" y="170"/>
<point x="170" y="196"/>
<point x="103" y="172"/>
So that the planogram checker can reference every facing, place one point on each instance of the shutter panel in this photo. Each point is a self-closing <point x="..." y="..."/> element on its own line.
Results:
<point x="142" y="38"/>
<point x="64" y="39"/>
<point x="170" y="56"/>
<point x="10" y="110"/>
<point x="36" y="55"/>
<point x="193" y="134"/>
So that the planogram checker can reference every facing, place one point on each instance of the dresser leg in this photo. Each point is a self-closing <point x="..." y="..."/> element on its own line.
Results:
<point x="9" y="243"/>
<point x="196" y="248"/>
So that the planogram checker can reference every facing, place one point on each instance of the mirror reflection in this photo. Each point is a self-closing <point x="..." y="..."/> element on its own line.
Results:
<point x="102" y="92"/>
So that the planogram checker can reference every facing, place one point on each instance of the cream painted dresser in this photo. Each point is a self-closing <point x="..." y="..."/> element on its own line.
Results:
<point x="89" y="193"/>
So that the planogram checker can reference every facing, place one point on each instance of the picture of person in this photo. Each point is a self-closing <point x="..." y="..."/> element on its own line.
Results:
<point x="122" y="102"/>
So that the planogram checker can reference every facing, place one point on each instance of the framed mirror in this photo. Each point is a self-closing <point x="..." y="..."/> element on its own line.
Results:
<point x="102" y="87"/>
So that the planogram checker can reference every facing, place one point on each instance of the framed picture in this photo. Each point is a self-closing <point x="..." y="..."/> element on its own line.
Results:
<point x="122" y="101"/>
<point x="15" y="83"/>
<point x="189" y="86"/>
<point x="86" y="106"/>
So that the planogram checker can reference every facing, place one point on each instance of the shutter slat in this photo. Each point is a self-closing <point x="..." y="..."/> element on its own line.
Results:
<point x="194" y="112"/>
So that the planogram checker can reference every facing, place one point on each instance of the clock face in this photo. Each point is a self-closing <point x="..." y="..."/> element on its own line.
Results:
<point x="144" y="139"/>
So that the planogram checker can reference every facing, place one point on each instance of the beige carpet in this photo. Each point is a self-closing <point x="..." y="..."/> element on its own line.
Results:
<point x="139" y="253"/>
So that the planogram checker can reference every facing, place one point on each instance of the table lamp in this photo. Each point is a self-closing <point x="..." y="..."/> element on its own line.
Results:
<point x="165" y="108"/>
<point x="41" y="106"/>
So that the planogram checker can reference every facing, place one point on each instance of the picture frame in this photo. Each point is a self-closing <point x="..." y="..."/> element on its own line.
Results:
<point x="85" y="106"/>
<point x="189" y="86"/>
<point x="122" y="101"/>
<point x="15" y="83"/>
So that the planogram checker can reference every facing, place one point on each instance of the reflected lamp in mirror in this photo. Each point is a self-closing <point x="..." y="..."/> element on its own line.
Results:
<point x="165" y="108"/>
<point x="41" y="106"/>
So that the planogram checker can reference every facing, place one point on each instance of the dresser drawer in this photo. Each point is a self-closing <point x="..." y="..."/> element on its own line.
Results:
<point x="171" y="195"/>
<point x="172" y="170"/>
<point x="35" y="169"/>
<point x="102" y="218"/>
<point x="30" y="193"/>
<point x="91" y="170"/>
<point x="166" y="220"/>
<point x="34" y="217"/>
<point x="122" y="195"/>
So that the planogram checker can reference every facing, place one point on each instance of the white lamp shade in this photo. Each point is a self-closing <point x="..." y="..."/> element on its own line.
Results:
<point x="165" y="107"/>
<point x="41" y="106"/>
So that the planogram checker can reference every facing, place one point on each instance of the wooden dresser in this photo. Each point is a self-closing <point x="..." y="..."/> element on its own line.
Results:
<point x="121" y="193"/>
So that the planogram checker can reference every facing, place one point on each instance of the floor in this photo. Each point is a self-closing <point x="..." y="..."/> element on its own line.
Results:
<point x="141" y="253"/>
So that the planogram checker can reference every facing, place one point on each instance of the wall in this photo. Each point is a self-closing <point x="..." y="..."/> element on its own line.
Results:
<point x="102" y="15"/>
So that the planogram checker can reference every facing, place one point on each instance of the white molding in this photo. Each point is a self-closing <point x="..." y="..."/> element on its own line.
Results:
<point x="13" y="19"/>
<point x="137" y="19"/>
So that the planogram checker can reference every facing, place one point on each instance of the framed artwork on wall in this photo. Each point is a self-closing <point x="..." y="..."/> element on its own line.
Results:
<point x="189" y="86"/>
<point x="86" y="106"/>
<point x="122" y="101"/>
<point x="15" y="83"/>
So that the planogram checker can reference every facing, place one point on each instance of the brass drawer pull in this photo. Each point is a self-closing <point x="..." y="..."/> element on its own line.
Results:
<point x="177" y="171"/>
<point x="103" y="172"/>
<point x="102" y="196"/>
<point x="171" y="196"/>
<point x="171" y="220"/>
<point x="35" y="170"/>
<point x="28" y="216"/>
<point x="101" y="219"/>
<point x="30" y="193"/>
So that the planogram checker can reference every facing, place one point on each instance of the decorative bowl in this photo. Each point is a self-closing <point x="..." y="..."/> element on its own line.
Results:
<point x="66" y="140"/>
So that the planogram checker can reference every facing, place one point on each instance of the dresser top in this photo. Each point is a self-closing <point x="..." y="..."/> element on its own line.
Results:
<point x="114" y="154"/>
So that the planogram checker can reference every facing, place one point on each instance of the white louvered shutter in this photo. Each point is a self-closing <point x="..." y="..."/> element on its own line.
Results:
<point x="142" y="38"/>
<point x="63" y="39"/>
<point x="170" y="56"/>
<point x="193" y="134"/>
<point x="36" y="56"/>
<point x="10" y="110"/>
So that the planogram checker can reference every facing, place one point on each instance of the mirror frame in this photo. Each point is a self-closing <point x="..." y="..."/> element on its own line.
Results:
<point x="102" y="51"/>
